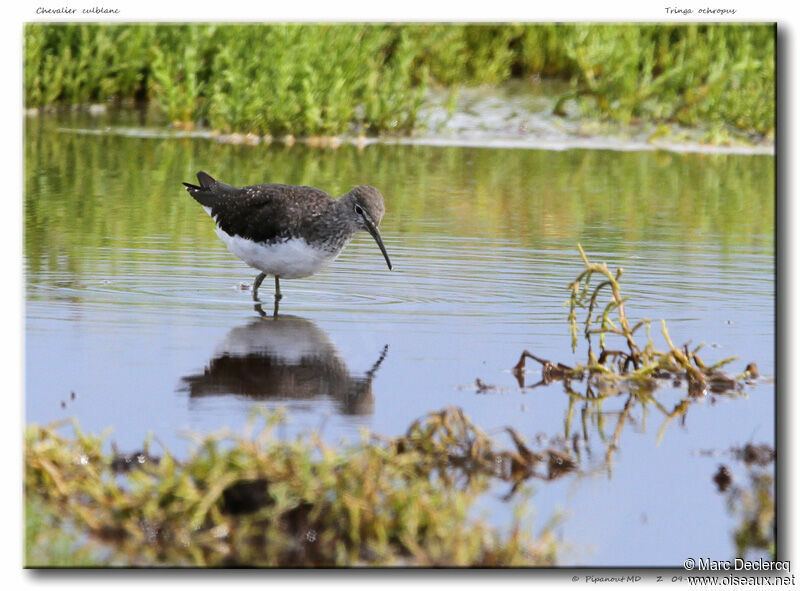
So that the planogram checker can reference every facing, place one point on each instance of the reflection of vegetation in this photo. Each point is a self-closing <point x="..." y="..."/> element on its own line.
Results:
<point x="88" y="191"/>
<point x="258" y="501"/>
<point x="753" y="504"/>
<point x="319" y="79"/>
<point x="755" y="507"/>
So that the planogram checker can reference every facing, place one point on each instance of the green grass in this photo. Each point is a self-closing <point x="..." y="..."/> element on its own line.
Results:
<point x="47" y="545"/>
<point x="308" y="79"/>
<point x="256" y="500"/>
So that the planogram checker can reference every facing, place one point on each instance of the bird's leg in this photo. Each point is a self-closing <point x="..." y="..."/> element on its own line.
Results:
<point x="257" y="284"/>
<point x="278" y="296"/>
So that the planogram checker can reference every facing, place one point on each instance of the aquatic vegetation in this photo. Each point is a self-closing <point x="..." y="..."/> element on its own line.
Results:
<point x="256" y="500"/>
<point x="324" y="80"/>
<point x="633" y="372"/>
<point x="637" y="363"/>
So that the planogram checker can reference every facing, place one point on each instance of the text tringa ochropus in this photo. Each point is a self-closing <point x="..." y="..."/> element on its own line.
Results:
<point x="288" y="231"/>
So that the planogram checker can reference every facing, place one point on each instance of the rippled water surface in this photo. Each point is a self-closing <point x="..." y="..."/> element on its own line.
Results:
<point x="136" y="307"/>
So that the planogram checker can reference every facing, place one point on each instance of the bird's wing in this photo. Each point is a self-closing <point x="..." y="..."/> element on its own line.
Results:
<point x="265" y="213"/>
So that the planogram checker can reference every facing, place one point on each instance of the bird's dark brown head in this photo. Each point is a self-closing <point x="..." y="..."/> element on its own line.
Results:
<point x="363" y="206"/>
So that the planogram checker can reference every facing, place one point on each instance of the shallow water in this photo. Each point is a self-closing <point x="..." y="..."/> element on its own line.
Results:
<point x="135" y="306"/>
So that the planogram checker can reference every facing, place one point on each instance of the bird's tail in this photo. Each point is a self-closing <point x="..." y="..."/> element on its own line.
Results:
<point x="209" y="191"/>
<point x="203" y="193"/>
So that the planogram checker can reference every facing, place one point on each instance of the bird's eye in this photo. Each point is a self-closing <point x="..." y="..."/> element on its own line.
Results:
<point x="358" y="209"/>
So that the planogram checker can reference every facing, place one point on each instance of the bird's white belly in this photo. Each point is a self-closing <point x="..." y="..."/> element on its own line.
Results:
<point x="290" y="259"/>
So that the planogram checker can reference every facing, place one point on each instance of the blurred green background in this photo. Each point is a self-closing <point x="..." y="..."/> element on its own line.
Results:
<point x="328" y="79"/>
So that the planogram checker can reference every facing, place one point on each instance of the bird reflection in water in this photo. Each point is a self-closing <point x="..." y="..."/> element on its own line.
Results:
<point x="284" y="358"/>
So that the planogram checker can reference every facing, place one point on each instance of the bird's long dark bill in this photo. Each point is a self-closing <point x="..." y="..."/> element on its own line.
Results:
<point x="377" y="236"/>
